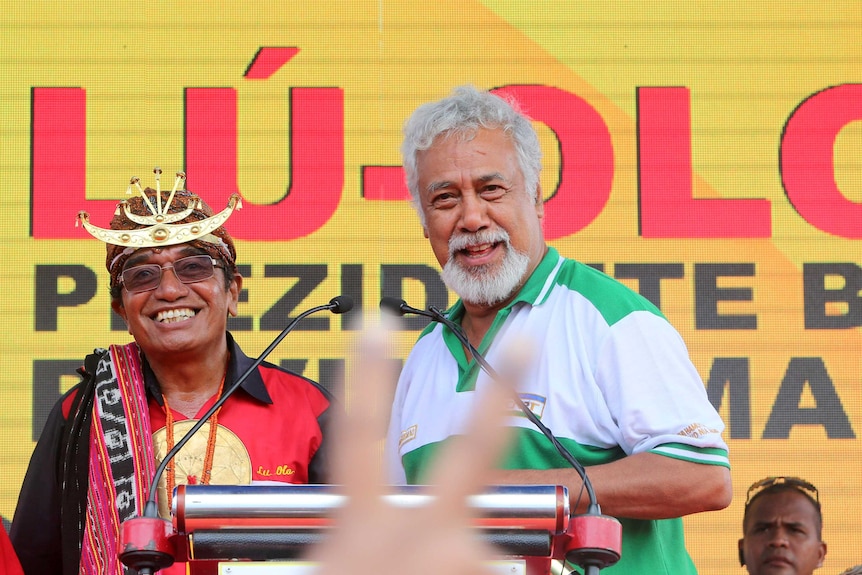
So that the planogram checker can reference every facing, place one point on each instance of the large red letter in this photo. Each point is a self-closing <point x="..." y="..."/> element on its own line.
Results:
<point x="316" y="165"/>
<point x="586" y="156"/>
<point x="807" y="154"/>
<point x="58" y="160"/>
<point x="667" y="208"/>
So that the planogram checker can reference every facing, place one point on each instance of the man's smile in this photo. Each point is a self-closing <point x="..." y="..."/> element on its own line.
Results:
<point x="175" y="315"/>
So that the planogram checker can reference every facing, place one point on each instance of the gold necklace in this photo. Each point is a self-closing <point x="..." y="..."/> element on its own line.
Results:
<point x="206" y="473"/>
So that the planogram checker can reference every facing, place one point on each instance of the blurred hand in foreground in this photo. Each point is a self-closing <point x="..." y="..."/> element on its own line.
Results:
<point x="373" y="537"/>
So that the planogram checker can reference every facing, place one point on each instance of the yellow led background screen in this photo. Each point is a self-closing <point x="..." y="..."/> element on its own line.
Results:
<point x="706" y="154"/>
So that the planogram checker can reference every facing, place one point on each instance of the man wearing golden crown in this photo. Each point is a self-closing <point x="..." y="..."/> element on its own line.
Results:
<point x="174" y="281"/>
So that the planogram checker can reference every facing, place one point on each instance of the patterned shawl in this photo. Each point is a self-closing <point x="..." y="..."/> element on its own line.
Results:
<point x="121" y="460"/>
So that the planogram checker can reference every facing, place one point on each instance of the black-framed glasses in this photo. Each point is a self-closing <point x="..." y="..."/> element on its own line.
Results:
<point x="793" y="482"/>
<point x="188" y="270"/>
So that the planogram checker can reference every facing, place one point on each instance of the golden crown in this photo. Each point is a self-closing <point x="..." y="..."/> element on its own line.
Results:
<point x="162" y="229"/>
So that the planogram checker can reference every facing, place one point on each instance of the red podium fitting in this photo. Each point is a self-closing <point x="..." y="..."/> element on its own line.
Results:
<point x="214" y="524"/>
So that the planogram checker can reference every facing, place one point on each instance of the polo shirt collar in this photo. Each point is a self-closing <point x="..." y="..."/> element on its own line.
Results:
<point x="534" y="292"/>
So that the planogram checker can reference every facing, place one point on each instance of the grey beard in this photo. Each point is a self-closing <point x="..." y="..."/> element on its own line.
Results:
<point x="484" y="285"/>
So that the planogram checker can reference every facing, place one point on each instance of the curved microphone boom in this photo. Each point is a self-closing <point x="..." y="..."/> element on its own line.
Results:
<point x="137" y="538"/>
<point x="400" y="307"/>
<point x="591" y="558"/>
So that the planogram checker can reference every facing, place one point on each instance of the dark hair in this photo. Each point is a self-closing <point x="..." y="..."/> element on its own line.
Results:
<point x="774" y="485"/>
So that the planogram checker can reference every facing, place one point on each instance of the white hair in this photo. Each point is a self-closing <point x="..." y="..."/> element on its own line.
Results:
<point x="461" y="114"/>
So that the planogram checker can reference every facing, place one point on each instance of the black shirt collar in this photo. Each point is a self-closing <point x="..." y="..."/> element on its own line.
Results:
<point x="238" y="364"/>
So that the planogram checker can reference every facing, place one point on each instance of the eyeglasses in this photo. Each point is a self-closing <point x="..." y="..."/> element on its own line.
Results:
<point x="188" y="270"/>
<point x="793" y="482"/>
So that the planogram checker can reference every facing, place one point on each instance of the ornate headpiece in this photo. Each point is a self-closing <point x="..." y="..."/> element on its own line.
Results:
<point x="153" y="221"/>
<point x="161" y="226"/>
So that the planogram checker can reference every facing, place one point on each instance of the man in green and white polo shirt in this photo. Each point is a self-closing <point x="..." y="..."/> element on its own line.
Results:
<point x="612" y="378"/>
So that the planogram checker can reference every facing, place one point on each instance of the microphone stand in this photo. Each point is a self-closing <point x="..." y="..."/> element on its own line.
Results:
<point x="144" y="540"/>
<point x="596" y="539"/>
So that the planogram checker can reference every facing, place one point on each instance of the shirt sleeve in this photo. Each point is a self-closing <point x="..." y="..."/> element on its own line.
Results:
<point x="8" y="559"/>
<point x="320" y="466"/>
<point x="656" y="395"/>
<point x="35" y="531"/>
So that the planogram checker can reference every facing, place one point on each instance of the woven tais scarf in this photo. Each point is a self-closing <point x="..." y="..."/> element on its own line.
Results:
<point x="121" y="458"/>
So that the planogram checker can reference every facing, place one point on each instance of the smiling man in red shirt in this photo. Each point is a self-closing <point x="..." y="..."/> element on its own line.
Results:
<point x="174" y="282"/>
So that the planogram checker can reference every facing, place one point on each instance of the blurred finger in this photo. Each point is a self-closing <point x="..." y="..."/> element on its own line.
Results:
<point x="465" y="466"/>
<point x="358" y="433"/>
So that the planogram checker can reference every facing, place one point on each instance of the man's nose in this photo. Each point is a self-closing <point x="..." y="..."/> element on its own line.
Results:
<point x="779" y="538"/>
<point x="170" y="283"/>
<point x="474" y="212"/>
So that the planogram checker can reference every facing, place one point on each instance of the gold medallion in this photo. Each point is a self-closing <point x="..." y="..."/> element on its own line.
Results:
<point x="231" y="461"/>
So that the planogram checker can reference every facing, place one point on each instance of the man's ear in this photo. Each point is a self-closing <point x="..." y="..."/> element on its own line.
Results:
<point x="741" y="553"/>
<point x="234" y="290"/>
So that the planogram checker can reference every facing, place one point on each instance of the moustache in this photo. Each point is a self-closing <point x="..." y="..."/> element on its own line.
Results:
<point x="461" y="241"/>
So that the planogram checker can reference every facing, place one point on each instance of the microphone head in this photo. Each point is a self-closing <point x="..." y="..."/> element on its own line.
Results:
<point x="341" y="304"/>
<point x="393" y="305"/>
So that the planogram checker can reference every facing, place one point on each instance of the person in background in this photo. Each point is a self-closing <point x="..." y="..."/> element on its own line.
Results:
<point x="174" y="282"/>
<point x="613" y="379"/>
<point x="782" y="528"/>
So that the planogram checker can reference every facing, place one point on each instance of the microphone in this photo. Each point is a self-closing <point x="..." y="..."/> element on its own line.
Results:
<point x="138" y="549"/>
<point x="591" y="555"/>
<point x="399" y="307"/>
